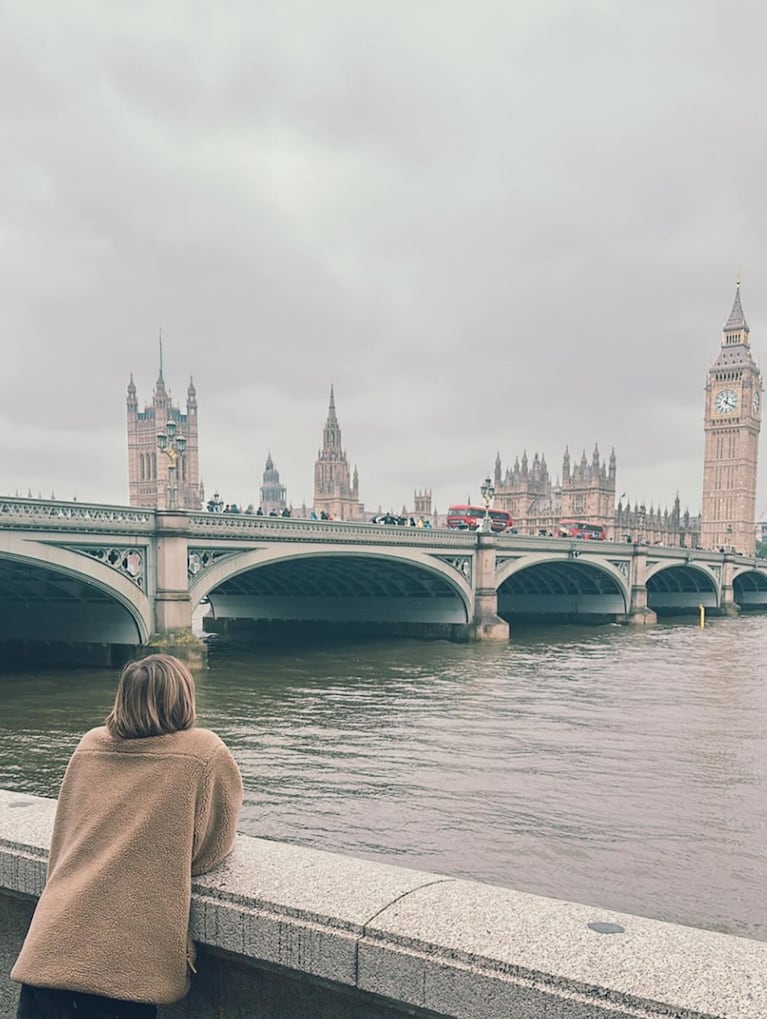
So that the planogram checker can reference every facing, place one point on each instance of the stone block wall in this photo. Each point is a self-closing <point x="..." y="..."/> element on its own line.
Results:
<point x="292" y="932"/>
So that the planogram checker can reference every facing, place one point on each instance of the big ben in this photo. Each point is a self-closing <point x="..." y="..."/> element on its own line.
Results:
<point x="733" y="418"/>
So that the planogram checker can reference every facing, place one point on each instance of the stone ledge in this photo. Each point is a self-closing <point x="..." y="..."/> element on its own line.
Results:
<point x="426" y="942"/>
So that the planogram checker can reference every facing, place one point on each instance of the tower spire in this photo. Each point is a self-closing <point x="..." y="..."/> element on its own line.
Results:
<point x="160" y="384"/>
<point x="737" y="319"/>
<point x="335" y="492"/>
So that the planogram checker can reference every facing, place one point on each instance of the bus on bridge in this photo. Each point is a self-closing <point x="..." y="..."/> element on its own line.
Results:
<point x="463" y="517"/>
<point x="580" y="529"/>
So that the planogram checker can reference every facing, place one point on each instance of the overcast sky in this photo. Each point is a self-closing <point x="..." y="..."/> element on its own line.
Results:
<point x="494" y="226"/>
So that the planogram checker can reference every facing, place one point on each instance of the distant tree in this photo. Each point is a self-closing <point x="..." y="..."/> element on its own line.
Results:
<point x="761" y="549"/>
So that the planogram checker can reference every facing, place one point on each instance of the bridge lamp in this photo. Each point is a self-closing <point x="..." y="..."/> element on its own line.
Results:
<point x="729" y="537"/>
<point x="488" y="494"/>
<point x="172" y="445"/>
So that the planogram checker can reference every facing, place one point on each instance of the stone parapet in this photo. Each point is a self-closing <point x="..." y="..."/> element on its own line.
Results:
<point x="288" y="931"/>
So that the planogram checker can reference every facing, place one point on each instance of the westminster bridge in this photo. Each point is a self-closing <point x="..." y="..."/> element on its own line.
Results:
<point x="115" y="578"/>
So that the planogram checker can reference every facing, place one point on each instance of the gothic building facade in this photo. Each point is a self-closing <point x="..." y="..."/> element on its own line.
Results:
<point x="335" y="492"/>
<point x="586" y="492"/>
<point x="732" y="421"/>
<point x="273" y="493"/>
<point x="147" y="466"/>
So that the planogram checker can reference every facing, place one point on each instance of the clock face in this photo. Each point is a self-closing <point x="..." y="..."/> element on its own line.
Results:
<point x="757" y="401"/>
<point x="726" y="401"/>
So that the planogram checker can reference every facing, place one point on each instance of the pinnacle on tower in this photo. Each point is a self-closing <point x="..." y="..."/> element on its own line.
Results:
<point x="737" y="319"/>
<point x="160" y="385"/>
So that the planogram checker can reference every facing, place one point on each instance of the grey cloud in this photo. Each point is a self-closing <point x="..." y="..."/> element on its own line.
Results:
<point x="501" y="227"/>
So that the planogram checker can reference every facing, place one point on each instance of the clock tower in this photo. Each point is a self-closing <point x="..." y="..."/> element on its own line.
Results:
<point x="733" y="417"/>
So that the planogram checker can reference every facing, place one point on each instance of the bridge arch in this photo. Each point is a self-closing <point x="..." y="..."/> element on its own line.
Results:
<point x="681" y="587"/>
<point x="336" y="584"/>
<point x="750" y="587"/>
<point x="545" y="584"/>
<point x="45" y="588"/>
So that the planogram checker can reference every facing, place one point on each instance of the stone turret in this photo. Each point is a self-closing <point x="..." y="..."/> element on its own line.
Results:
<point x="147" y="468"/>
<point x="273" y="496"/>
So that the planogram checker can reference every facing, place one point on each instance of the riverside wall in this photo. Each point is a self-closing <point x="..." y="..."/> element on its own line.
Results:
<point x="291" y="932"/>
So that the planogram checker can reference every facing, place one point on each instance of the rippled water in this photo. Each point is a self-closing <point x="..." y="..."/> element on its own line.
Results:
<point x="625" y="768"/>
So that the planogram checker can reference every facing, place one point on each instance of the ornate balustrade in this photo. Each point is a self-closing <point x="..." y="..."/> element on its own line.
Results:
<point x="44" y="514"/>
<point x="77" y="516"/>
<point x="239" y="525"/>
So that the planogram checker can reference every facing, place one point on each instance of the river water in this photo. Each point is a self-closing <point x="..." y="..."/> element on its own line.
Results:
<point x="618" y="767"/>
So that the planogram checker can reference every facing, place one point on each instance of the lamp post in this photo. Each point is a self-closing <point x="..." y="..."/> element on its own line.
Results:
<point x="173" y="446"/>
<point x="729" y="537"/>
<point x="488" y="493"/>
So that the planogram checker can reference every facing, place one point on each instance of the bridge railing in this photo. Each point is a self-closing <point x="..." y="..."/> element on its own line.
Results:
<point x="52" y="514"/>
<point x="340" y="531"/>
<point x="80" y="516"/>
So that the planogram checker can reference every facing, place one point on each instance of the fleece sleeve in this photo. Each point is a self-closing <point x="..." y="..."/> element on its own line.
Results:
<point x="218" y="808"/>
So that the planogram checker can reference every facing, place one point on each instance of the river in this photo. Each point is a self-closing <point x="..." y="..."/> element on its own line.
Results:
<point x="619" y="767"/>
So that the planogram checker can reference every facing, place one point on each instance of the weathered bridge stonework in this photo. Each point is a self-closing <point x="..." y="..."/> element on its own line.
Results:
<point x="287" y="931"/>
<point x="113" y="577"/>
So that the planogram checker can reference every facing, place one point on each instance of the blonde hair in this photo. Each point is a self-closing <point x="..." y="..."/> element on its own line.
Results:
<point x="155" y="695"/>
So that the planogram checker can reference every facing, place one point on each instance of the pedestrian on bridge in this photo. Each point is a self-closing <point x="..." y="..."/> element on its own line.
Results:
<point x="147" y="801"/>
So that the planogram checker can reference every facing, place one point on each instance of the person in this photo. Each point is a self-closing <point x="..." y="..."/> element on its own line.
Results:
<point x="148" y="800"/>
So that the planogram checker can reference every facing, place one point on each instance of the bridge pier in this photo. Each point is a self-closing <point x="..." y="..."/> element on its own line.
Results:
<point x="640" y="613"/>
<point x="172" y="603"/>
<point x="727" y="604"/>
<point x="487" y="624"/>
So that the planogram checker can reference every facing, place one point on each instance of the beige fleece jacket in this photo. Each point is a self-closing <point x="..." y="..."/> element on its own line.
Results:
<point x="135" y="820"/>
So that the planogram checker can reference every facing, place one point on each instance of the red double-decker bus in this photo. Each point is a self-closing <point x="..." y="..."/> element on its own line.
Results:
<point x="470" y="518"/>
<point x="580" y="529"/>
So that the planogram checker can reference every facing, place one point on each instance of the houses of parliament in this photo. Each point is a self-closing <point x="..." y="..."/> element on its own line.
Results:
<point x="585" y="488"/>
